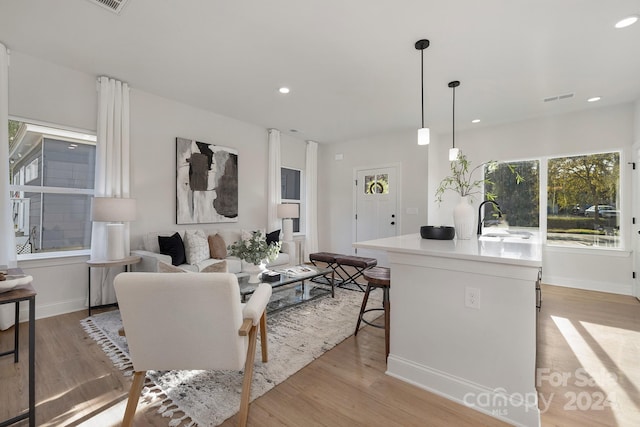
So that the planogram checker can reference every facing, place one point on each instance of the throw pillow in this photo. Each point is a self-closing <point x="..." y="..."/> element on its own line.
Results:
<point x="217" y="247"/>
<point x="273" y="237"/>
<point x="218" y="267"/>
<point x="167" y="268"/>
<point x="174" y="247"/>
<point x="196" y="246"/>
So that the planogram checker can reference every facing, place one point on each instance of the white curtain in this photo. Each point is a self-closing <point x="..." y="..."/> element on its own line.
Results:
<point x="274" y="184"/>
<point x="8" y="240"/>
<point x="311" y="200"/>
<point x="112" y="176"/>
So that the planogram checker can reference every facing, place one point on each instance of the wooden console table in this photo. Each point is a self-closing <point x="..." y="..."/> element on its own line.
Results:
<point x="126" y="261"/>
<point x="23" y="293"/>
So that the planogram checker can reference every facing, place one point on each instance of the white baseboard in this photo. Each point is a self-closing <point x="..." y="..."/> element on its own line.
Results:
<point x="55" y="309"/>
<point x="610" y="287"/>
<point x="519" y="408"/>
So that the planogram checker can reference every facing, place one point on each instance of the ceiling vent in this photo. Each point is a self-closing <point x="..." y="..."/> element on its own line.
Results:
<point x="558" y="97"/>
<point x="114" y="6"/>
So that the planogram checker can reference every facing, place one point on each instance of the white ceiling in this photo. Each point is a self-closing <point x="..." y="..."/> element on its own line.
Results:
<point x="351" y="65"/>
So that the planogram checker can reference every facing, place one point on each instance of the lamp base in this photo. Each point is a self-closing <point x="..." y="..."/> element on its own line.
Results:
<point x="115" y="241"/>
<point x="287" y="230"/>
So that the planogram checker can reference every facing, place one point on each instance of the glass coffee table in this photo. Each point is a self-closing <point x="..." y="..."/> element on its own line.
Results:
<point x="293" y="287"/>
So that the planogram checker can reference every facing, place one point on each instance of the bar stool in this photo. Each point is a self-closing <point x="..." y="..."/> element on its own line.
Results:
<point x="377" y="277"/>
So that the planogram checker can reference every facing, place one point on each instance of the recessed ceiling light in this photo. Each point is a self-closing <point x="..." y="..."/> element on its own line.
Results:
<point x="284" y="90"/>
<point x="475" y="121"/>
<point x="629" y="20"/>
<point x="594" y="99"/>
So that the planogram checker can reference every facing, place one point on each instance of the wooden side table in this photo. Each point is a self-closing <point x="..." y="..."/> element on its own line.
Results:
<point x="127" y="261"/>
<point x="23" y="293"/>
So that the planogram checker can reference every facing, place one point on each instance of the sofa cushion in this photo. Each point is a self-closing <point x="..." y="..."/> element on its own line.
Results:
<point x="196" y="246"/>
<point x="217" y="246"/>
<point x="273" y="237"/>
<point x="163" y="267"/>
<point x="218" y="267"/>
<point x="174" y="247"/>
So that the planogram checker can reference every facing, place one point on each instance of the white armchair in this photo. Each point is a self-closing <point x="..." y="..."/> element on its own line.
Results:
<point x="199" y="312"/>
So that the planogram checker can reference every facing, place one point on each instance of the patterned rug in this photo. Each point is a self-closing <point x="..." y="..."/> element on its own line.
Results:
<point x="297" y="336"/>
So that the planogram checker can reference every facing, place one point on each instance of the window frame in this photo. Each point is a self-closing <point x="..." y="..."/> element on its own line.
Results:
<point x="65" y="133"/>
<point x="623" y="197"/>
<point x="300" y="202"/>
<point x="624" y="239"/>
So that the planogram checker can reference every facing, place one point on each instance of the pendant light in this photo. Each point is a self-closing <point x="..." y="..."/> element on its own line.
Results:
<point x="454" y="152"/>
<point x="423" y="132"/>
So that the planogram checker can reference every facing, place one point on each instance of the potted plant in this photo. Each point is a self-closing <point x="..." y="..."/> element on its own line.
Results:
<point x="462" y="181"/>
<point x="255" y="251"/>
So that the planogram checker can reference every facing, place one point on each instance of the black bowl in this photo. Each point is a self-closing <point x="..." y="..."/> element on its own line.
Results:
<point x="437" y="233"/>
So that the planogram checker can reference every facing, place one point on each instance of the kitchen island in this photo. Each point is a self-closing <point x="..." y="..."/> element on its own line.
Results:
<point x="463" y="320"/>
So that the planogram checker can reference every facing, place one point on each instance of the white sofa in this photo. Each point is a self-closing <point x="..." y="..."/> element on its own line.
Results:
<point x="150" y="253"/>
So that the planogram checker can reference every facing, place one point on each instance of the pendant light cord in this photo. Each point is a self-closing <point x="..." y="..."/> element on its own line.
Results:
<point x="453" y="131"/>
<point x="422" y="82"/>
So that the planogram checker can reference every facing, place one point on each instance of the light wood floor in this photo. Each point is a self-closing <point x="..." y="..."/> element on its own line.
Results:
<point x="78" y="385"/>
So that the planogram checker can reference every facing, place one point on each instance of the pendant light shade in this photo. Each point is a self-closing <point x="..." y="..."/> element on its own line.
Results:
<point x="423" y="132"/>
<point x="423" y="136"/>
<point x="453" y="151"/>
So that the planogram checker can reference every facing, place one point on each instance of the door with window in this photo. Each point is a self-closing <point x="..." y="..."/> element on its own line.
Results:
<point x="376" y="207"/>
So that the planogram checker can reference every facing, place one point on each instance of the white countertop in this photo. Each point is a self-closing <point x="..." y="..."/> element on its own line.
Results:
<point x="515" y="251"/>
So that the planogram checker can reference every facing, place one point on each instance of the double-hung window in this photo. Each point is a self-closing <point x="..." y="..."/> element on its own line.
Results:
<point x="291" y="192"/>
<point x="52" y="173"/>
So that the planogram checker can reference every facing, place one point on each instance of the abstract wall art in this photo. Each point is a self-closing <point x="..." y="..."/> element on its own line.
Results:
<point x="206" y="183"/>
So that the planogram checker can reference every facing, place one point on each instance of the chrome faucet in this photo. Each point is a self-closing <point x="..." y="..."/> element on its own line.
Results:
<point x="480" y="220"/>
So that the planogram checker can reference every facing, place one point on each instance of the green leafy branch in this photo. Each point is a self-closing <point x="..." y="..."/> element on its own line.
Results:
<point x="461" y="179"/>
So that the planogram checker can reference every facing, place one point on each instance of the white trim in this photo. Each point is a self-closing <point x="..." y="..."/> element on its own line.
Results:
<point x="354" y="195"/>
<point x="613" y="252"/>
<point x="52" y="190"/>
<point x="568" y="282"/>
<point x="513" y="411"/>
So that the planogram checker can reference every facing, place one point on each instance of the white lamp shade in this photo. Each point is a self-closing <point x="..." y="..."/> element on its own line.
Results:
<point x="423" y="136"/>
<point x="113" y="209"/>
<point x="453" y="154"/>
<point x="288" y="210"/>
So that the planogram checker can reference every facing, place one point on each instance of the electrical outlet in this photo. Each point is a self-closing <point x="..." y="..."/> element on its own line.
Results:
<point x="472" y="298"/>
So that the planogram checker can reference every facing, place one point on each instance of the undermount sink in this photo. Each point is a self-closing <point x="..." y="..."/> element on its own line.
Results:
<point x="506" y="235"/>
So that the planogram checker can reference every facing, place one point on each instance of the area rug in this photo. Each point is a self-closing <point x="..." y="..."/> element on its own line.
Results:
<point x="296" y="336"/>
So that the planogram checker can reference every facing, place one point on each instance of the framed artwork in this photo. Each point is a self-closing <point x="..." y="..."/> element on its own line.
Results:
<point x="206" y="183"/>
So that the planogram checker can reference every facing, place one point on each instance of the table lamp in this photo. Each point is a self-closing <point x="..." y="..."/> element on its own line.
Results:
<point x="115" y="211"/>
<point x="287" y="211"/>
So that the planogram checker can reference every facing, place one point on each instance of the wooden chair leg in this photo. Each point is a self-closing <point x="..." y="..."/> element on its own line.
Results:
<point x="134" y="396"/>
<point x="243" y="414"/>
<point x="263" y="336"/>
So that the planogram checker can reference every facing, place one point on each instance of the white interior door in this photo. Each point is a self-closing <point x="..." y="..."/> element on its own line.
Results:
<point x="636" y="214"/>
<point x="376" y="208"/>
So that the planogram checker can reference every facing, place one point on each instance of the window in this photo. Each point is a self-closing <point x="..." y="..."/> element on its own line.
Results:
<point x="291" y="184"/>
<point x="583" y="200"/>
<point x="376" y="184"/>
<point x="52" y="174"/>
<point x="516" y="186"/>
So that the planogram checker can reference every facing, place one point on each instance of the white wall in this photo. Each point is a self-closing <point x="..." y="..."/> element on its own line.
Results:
<point x="336" y="183"/>
<point x="155" y="123"/>
<point x="593" y="130"/>
<point x="42" y="91"/>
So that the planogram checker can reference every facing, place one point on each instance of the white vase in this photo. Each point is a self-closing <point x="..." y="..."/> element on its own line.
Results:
<point x="464" y="219"/>
<point x="254" y="270"/>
